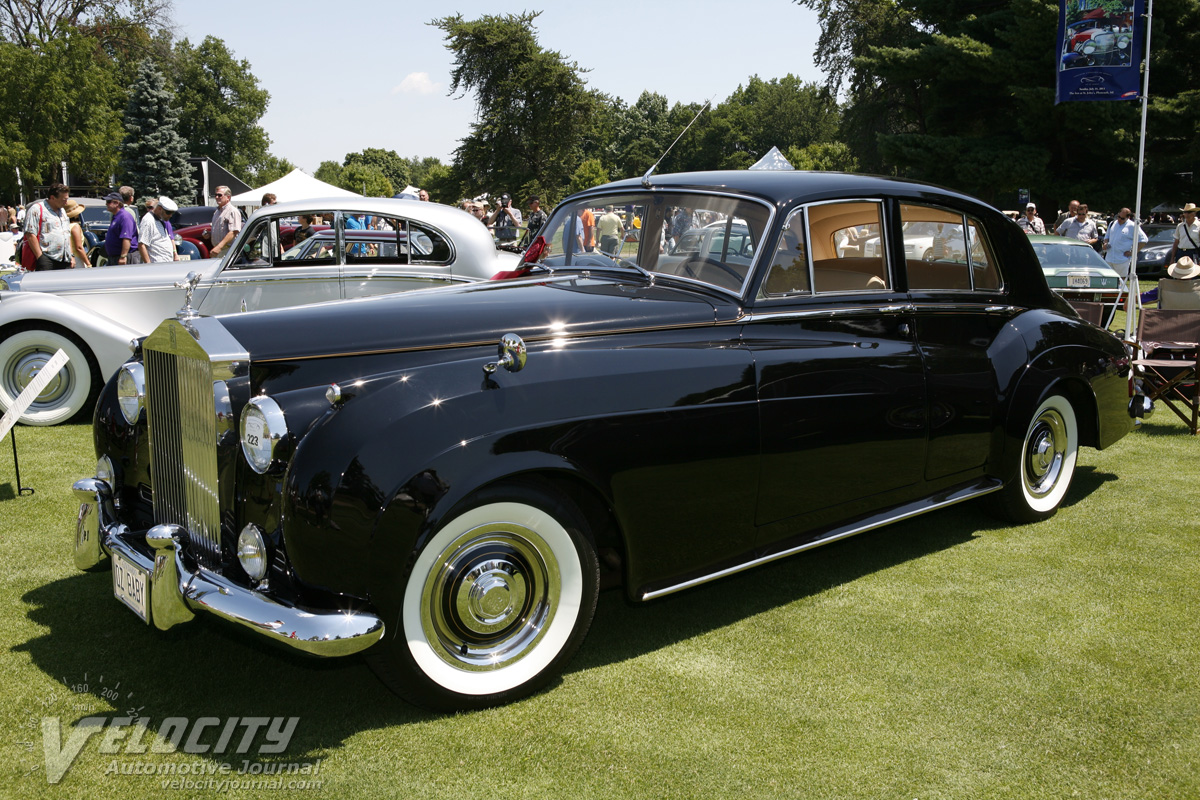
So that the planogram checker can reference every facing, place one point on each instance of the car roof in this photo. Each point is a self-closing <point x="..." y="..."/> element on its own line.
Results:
<point x="784" y="186"/>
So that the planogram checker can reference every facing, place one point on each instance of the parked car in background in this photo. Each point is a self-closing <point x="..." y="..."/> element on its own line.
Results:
<point x="1076" y="271"/>
<point x="186" y="216"/>
<point x="443" y="480"/>
<point x="1154" y="255"/>
<point x="94" y="314"/>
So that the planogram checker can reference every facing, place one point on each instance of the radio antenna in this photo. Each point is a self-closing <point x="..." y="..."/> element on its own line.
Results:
<point x="649" y="172"/>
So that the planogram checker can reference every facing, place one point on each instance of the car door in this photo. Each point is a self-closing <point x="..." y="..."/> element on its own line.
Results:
<point x="959" y="311"/>
<point x="255" y="276"/>
<point x="841" y="385"/>
<point x="393" y="254"/>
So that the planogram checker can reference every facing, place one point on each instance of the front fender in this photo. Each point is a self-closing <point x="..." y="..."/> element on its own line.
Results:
<point x="107" y="338"/>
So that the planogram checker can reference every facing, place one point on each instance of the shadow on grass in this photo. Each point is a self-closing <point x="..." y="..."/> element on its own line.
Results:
<point x="623" y="630"/>
<point x="208" y="668"/>
<point x="1169" y="426"/>
<point x="7" y="491"/>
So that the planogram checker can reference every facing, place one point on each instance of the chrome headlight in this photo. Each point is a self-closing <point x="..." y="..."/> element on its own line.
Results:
<point x="262" y="428"/>
<point x="252" y="552"/>
<point x="131" y="391"/>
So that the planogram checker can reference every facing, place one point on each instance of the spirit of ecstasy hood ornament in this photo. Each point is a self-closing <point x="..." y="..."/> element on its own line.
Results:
<point x="188" y="283"/>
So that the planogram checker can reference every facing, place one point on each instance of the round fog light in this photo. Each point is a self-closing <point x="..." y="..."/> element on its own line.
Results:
<point x="252" y="552"/>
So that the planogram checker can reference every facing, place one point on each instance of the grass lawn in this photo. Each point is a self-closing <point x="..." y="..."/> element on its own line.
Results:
<point x="949" y="656"/>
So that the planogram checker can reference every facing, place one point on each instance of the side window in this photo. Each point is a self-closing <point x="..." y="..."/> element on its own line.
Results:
<point x="260" y="248"/>
<point x="983" y="265"/>
<point x="427" y="246"/>
<point x="847" y="247"/>
<point x="308" y="240"/>
<point x="788" y="273"/>
<point x="935" y="249"/>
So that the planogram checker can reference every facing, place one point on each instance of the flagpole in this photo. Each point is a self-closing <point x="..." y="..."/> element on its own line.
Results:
<point x="1133" y="302"/>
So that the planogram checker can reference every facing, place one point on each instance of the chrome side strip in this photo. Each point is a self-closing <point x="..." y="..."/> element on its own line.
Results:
<point x="977" y="489"/>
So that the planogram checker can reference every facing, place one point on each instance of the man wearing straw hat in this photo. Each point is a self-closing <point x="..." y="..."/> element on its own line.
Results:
<point x="1187" y="235"/>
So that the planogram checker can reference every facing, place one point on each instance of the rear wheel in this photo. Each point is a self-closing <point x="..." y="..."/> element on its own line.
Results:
<point x="1048" y="454"/>
<point x="497" y="601"/>
<point x="72" y="392"/>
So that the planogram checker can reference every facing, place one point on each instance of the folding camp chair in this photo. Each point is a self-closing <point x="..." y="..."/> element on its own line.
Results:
<point x="1169" y="360"/>
<point x="1088" y="311"/>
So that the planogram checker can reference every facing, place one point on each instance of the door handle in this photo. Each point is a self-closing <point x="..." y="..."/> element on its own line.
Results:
<point x="904" y="329"/>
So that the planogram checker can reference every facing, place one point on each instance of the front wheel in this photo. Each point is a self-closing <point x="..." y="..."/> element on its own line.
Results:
<point x="1048" y="454"/>
<point x="496" y="602"/>
<point x="71" y="393"/>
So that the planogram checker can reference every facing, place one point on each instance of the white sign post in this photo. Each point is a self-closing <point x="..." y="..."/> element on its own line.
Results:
<point x="24" y="401"/>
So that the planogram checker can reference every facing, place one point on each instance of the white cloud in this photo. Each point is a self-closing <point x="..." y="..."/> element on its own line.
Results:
<point x="416" y="83"/>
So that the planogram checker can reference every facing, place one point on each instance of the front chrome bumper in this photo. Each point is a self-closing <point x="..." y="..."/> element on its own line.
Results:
<point x="177" y="592"/>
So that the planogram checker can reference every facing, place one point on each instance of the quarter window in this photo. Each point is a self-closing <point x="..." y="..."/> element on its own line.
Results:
<point x="945" y="251"/>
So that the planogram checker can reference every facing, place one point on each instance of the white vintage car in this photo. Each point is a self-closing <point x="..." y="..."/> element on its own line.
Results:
<point x="94" y="314"/>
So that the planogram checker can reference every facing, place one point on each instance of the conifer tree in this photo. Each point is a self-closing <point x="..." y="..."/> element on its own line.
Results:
<point x="154" y="157"/>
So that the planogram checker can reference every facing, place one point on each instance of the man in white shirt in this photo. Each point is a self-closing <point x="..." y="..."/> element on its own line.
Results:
<point x="1118" y="242"/>
<point x="1187" y="236"/>
<point x="156" y="233"/>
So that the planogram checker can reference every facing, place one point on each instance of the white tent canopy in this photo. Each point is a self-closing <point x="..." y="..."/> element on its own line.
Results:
<point x="296" y="185"/>
<point x="772" y="160"/>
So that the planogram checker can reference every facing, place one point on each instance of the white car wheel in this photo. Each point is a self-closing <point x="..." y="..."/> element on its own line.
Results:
<point x="23" y="353"/>
<point x="496" y="602"/>
<point x="1047" y="462"/>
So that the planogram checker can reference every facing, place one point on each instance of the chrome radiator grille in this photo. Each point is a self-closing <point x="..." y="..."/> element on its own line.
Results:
<point x="183" y="448"/>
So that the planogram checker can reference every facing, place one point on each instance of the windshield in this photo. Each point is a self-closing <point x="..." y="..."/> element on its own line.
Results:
<point x="1052" y="255"/>
<point x="703" y="237"/>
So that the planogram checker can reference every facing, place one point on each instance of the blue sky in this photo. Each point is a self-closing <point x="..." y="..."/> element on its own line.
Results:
<point x="347" y="76"/>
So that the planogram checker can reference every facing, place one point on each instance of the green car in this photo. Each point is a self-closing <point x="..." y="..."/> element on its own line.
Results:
<point x="1076" y="271"/>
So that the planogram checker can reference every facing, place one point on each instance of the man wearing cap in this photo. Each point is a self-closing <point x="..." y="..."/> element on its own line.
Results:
<point x="122" y="237"/>
<point x="48" y="230"/>
<point x="156" y="232"/>
<point x="1118" y="242"/>
<point x="1187" y="236"/>
<point x="1031" y="223"/>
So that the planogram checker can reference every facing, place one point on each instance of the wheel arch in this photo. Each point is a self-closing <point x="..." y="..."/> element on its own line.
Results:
<point x="105" y="339"/>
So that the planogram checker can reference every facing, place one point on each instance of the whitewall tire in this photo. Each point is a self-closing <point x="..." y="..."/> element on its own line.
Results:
<point x="24" y="352"/>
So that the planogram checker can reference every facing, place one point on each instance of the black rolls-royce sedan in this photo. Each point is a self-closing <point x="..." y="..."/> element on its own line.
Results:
<point x="444" y="479"/>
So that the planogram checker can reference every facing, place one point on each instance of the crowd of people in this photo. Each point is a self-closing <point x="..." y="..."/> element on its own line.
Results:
<point x="1116" y="242"/>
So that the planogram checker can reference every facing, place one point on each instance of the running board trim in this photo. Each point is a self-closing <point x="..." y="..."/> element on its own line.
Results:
<point x="895" y="514"/>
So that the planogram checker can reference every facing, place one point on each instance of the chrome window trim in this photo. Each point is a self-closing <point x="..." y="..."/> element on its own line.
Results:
<point x="883" y="245"/>
<point x="970" y="264"/>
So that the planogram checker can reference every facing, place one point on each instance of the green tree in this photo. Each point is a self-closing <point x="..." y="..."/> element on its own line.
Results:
<point x="272" y="169"/>
<point x="220" y="104"/>
<point x="387" y="162"/>
<point x="154" y="158"/>
<point x="366" y="180"/>
<point x="330" y="172"/>
<point x="60" y="104"/>
<point x="964" y="96"/>
<point x="590" y="173"/>
<point x="534" y="118"/>
<point x="823" y="157"/>
<point x="34" y="23"/>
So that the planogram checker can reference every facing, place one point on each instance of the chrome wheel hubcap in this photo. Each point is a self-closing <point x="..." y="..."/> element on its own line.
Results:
<point x="1045" y="451"/>
<point x="491" y="598"/>
<point x="26" y="366"/>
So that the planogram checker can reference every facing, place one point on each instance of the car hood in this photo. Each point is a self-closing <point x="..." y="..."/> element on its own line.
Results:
<point x="137" y="276"/>
<point x="477" y="314"/>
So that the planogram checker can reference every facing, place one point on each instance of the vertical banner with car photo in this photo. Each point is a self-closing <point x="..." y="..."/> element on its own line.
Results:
<point x="1100" y="49"/>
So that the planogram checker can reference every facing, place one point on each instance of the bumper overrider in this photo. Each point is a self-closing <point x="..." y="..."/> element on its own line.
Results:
<point x="176" y="592"/>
